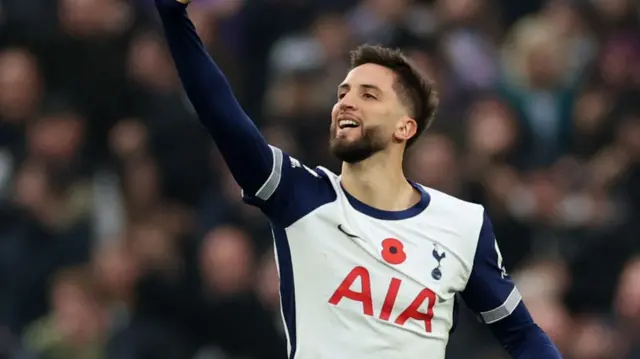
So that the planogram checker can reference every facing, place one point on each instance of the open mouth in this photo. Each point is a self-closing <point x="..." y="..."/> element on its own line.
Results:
<point x="344" y="124"/>
<point x="346" y="121"/>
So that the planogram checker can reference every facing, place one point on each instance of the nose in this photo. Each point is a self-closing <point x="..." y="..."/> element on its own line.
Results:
<point x="346" y="104"/>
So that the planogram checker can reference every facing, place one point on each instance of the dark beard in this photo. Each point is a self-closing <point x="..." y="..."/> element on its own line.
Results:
<point x="359" y="150"/>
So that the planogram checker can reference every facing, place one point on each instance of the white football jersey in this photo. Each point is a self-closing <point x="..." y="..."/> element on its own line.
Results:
<point x="359" y="282"/>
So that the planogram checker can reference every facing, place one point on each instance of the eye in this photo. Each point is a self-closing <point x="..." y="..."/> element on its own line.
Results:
<point x="341" y="95"/>
<point x="369" y="96"/>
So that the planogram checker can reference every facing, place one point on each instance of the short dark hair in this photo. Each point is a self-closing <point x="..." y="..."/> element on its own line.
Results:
<point x="414" y="89"/>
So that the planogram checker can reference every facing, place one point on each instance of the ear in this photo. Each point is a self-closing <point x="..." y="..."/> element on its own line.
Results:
<point x="406" y="128"/>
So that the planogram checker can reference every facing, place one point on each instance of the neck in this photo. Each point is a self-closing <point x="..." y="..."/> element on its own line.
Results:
<point x="379" y="182"/>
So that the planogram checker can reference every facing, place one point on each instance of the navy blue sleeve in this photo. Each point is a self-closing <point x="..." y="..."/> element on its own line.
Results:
<point x="261" y="171"/>
<point x="244" y="149"/>
<point x="292" y="191"/>
<point x="491" y="293"/>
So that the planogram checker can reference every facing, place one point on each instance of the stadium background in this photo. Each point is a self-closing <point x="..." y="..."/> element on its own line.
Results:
<point x="122" y="235"/>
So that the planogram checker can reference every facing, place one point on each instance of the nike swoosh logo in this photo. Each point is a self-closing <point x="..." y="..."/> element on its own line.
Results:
<point x="347" y="233"/>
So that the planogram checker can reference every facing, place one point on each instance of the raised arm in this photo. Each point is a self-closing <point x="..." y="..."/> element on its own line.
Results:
<point x="280" y="185"/>
<point x="245" y="151"/>
<point x="491" y="293"/>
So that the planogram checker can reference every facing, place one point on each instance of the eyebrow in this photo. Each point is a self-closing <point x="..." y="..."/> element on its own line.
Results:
<point x="364" y="86"/>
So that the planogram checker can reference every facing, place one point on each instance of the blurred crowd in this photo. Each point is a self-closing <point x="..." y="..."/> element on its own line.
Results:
<point x="123" y="236"/>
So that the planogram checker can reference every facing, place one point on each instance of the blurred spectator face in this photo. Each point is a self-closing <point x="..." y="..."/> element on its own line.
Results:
<point x="591" y="110"/>
<point x="491" y="129"/>
<point x="141" y="183"/>
<point x="536" y="53"/>
<point x="226" y="261"/>
<point x="78" y="315"/>
<point x="31" y="186"/>
<point x="628" y="296"/>
<point x="80" y="15"/>
<point x="153" y="248"/>
<point x="56" y="137"/>
<point x="81" y="18"/>
<point x="150" y="65"/>
<point x="541" y="66"/>
<point x="618" y="62"/>
<point x="116" y="271"/>
<point x="433" y="162"/>
<point x="20" y="85"/>
<point x="128" y="138"/>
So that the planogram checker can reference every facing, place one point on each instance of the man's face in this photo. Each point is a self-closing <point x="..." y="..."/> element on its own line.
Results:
<point x="367" y="115"/>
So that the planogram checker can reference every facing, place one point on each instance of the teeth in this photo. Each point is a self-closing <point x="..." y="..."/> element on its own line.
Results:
<point x="345" y="123"/>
